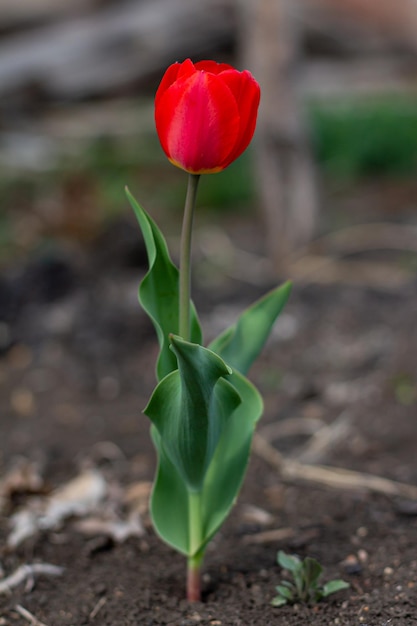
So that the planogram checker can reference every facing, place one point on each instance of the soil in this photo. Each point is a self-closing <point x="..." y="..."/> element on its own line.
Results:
<point x="76" y="371"/>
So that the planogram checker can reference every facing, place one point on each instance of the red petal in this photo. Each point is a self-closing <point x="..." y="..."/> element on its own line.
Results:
<point x="174" y="71"/>
<point x="212" y="66"/>
<point x="247" y="93"/>
<point x="198" y="122"/>
<point x="187" y="68"/>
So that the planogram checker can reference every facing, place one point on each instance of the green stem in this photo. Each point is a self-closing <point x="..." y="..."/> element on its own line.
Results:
<point x="195" y="561"/>
<point x="194" y="503"/>
<point x="185" y="257"/>
<point x="194" y="520"/>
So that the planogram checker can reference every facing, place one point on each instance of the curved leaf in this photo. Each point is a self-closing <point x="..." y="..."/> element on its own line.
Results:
<point x="333" y="586"/>
<point x="158" y="291"/>
<point x="190" y="408"/>
<point x="169" y="501"/>
<point x="227" y="470"/>
<point x="291" y="562"/>
<point x="312" y="570"/>
<point x="224" y="477"/>
<point x="240" y="344"/>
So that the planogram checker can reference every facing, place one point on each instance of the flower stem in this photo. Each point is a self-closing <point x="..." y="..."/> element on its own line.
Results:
<point x="194" y="578"/>
<point x="195" y="561"/>
<point x="185" y="257"/>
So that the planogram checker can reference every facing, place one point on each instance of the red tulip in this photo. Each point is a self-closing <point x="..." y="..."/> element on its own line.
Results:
<point x="205" y="114"/>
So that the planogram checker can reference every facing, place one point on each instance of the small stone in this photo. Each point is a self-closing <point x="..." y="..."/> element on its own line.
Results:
<point x="195" y="617"/>
<point x="351" y="565"/>
<point x="362" y="556"/>
<point x="108" y="388"/>
<point x="388" y="571"/>
<point x="257" y="515"/>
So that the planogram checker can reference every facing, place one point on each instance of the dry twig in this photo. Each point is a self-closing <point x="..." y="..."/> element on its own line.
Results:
<point x="365" y="237"/>
<point x="325" y="268"/>
<point x="276" y="534"/>
<point x="327" y="476"/>
<point x="28" y="616"/>
<point x="325" y="438"/>
<point x="97" y="608"/>
<point x="27" y="572"/>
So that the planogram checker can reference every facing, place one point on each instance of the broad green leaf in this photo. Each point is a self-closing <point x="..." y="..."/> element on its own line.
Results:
<point x="240" y="344"/>
<point x="169" y="501"/>
<point x="333" y="586"/>
<point x="169" y="504"/>
<point x="158" y="291"/>
<point x="190" y="408"/>
<point x="227" y="470"/>
<point x="312" y="571"/>
<point x="279" y="601"/>
<point x="290" y="562"/>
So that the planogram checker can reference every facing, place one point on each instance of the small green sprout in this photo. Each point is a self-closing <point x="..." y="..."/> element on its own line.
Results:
<point x="305" y="588"/>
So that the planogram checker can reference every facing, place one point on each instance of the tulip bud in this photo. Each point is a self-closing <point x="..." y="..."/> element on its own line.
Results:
<point x="205" y="114"/>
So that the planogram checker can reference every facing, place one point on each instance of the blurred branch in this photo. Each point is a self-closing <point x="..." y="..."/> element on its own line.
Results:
<point x="291" y="471"/>
<point x="284" y="167"/>
<point x="113" y="46"/>
<point x="396" y="19"/>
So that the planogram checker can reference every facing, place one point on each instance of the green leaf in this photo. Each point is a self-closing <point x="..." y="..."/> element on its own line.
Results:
<point x="333" y="586"/>
<point x="224" y="477"/>
<point x="312" y="571"/>
<point x="240" y="344"/>
<point x="190" y="408"/>
<point x="169" y="501"/>
<point x="158" y="291"/>
<point x="285" y="592"/>
<point x="287" y="583"/>
<point x="227" y="470"/>
<point x="279" y="601"/>
<point x="290" y="562"/>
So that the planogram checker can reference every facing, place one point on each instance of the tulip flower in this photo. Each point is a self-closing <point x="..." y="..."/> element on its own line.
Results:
<point x="205" y="114"/>
<point x="203" y="410"/>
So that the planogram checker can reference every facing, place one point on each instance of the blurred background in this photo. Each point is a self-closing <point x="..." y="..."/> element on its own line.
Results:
<point x="76" y="112"/>
<point x="327" y="193"/>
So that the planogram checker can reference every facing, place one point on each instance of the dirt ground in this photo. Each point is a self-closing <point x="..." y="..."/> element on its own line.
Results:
<point x="339" y="379"/>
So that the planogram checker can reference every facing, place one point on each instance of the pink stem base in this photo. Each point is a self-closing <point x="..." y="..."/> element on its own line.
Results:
<point x="193" y="582"/>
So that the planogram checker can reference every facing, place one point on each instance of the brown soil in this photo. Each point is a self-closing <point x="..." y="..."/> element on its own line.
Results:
<point x="77" y="372"/>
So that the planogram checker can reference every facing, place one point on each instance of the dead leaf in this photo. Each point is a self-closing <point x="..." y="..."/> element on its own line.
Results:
<point x="118" y="529"/>
<point x="78" y="497"/>
<point x="137" y="495"/>
<point x="23" y="477"/>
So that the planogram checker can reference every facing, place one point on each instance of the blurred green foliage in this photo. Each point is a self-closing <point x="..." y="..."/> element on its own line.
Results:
<point x="405" y="388"/>
<point x="353" y="139"/>
<point x="366" y="136"/>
